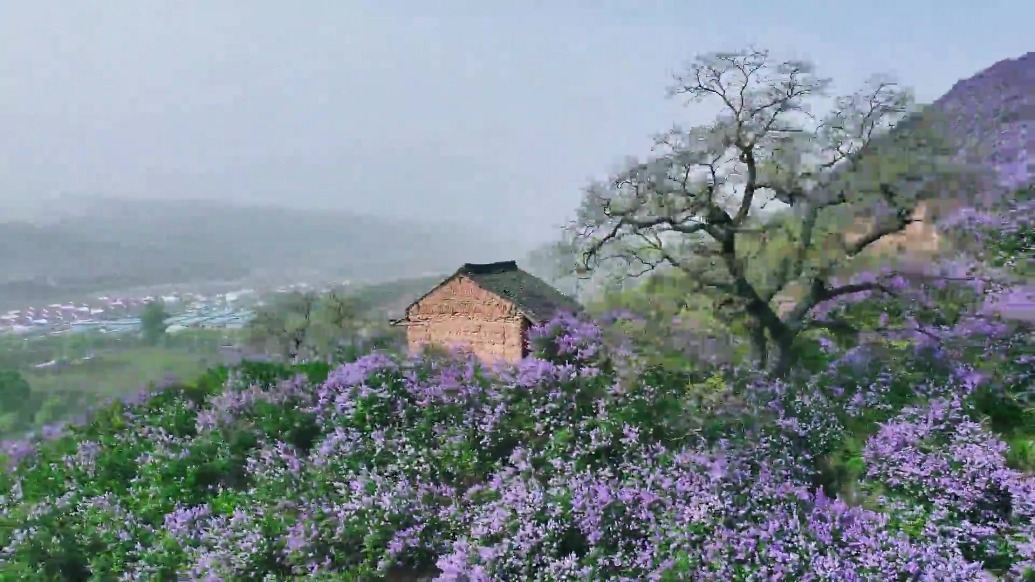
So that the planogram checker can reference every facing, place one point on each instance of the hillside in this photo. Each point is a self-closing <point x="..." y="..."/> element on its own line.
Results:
<point x="398" y="468"/>
<point x="111" y="243"/>
<point x="988" y="121"/>
<point x="992" y="115"/>
<point x="898" y="443"/>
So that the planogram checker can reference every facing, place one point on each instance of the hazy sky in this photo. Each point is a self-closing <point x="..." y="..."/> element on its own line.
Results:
<point x="487" y="111"/>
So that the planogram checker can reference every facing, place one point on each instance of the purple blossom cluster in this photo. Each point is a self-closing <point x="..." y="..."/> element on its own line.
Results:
<point x="936" y="466"/>
<point x="568" y="466"/>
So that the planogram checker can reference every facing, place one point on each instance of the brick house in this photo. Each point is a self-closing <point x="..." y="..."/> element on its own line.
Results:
<point x="487" y="308"/>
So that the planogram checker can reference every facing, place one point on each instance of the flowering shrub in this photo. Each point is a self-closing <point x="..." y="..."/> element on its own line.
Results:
<point x="1005" y="233"/>
<point x="939" y="471"/>
<point x="576" y="465"/>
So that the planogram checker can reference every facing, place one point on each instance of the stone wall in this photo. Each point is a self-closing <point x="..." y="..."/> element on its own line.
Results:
<point x="460" y="313"/>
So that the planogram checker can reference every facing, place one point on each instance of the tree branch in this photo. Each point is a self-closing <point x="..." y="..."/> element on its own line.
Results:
<point x="703" y="184"/>
<point x="902" y="219"/>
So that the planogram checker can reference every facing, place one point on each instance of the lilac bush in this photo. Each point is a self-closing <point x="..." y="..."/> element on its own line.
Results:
<point x="575" y="466"/>
<point x="945" y="474"/>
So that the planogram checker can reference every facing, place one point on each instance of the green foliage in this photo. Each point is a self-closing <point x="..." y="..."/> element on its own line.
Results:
<point x="14" y="391"/>
<point x="18" y="403"/>
<point x="1014" y="248"/>
<point x="668" y="324"/>
<point x="267" y="374"/>
<point x="240" y="443"/>
<point x="152" y="322"/>
<point x="338" y="326"/>
<point x="120" y="365"/>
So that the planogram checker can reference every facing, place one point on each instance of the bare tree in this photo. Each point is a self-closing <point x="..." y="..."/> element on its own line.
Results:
<point x="305" y="325"/>
<point x="769" y="197"/>
<point x="282" y="327"/>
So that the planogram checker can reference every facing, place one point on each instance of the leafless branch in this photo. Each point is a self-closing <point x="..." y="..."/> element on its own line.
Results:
<point x="693" y="202"/>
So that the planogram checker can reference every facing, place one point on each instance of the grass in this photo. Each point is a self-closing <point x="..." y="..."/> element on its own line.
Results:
<point x="117" y="368"/>
<point x="116" y="372"/>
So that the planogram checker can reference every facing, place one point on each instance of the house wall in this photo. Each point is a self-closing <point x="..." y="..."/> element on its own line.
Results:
<point x="460" y="313"/>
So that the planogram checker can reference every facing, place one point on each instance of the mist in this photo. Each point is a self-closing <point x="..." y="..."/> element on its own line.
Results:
<point x="158" y="142"/>
<point x="491" y="117"/>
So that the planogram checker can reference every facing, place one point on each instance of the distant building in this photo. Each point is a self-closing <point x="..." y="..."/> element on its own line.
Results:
<point x="487" y="308"/>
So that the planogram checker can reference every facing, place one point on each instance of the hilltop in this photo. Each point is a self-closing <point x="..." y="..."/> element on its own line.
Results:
<point x="896" y="443"/>
<point x="987" y="121"/>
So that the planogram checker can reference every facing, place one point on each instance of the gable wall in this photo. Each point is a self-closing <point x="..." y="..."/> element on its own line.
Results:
<point x="460" y="313"/>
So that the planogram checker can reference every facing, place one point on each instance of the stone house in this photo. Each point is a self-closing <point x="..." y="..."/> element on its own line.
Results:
<point x="487" y="308"/>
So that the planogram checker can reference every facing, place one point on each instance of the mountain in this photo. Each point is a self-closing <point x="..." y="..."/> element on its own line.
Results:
<point x="987" y="122"/>
<point x="101" y="244"/>
<point x="992" y="117"/>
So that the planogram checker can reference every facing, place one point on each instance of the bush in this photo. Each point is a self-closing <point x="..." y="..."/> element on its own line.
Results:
<point x="580" y="462"/>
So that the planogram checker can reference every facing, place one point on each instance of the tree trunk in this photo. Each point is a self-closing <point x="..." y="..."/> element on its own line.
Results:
<point x="779" y="362"/>
<point x="759" y="345"/>
<point x="770" y="352"/>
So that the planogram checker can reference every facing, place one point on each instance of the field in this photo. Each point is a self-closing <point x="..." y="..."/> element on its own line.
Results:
<point x="89" y="369"/>
<point x="69" y="373"/>
<point x="117" y="372"/>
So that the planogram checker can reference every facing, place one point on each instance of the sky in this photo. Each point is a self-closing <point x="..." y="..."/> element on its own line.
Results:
<point x="494" y="114"/>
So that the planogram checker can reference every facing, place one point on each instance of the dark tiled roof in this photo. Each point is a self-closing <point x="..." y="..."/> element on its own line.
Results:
<point x="534" y="298"/>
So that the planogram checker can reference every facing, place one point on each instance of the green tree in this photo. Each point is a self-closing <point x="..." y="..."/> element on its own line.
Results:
<point x="703" y="202"/>
<point x="1013" y="239"/>
<point x="152" y="322"/>
<point x="15" y="391"/>
<point x="335" y="320"/>
<point x="17" y="407"/>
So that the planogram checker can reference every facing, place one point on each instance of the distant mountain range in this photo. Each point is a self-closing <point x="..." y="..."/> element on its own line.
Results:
<point x="99" y="244"/>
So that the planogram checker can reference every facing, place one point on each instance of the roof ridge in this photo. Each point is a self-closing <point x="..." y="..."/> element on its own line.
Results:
<point x="536" y="299"/>
<point x="486" y="268"/>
